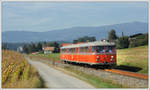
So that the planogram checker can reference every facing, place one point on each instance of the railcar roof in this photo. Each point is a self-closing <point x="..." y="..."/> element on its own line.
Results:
<point x="96" y="43"/>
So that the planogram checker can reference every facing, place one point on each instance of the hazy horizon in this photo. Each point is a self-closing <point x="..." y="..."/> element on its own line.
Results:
<point x="74" y="27"/>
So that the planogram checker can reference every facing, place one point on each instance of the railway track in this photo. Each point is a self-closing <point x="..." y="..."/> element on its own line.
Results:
<point x="117" y="71"/>
<point x="132" y="74"/>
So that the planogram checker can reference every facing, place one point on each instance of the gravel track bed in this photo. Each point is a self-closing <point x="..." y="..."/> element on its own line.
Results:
<point x="125" y="81"/>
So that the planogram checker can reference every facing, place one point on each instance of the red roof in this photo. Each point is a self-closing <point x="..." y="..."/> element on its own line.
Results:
<point x="48" y="48"/>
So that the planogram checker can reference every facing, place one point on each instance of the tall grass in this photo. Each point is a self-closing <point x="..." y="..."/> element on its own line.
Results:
<point x="17" y="72"/>
<point x="137" y="57"/>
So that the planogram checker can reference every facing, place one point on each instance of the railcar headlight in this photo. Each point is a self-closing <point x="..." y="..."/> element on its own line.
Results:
<point x="112" y="57"/>
<point x="97" y="56"/>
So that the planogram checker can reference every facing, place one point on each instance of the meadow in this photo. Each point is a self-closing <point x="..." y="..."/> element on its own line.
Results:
<point x="134" y="57"/>
<point x="17" y="72"/>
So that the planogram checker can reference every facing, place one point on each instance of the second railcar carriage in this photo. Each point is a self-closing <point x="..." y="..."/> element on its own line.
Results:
<point x="93" y="53"/>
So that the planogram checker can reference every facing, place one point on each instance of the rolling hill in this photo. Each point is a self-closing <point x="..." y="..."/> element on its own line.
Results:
<point x="70" y="34"/>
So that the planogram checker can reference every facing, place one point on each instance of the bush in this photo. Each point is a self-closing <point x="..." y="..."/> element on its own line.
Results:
<point x="123" y="42"/>
<point x="139" y="41"/>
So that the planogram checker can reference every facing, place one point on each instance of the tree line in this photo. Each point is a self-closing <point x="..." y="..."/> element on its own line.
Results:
<point x="121" y="42"/>
<point x="128" y="41"/>
<point x="37" y="47"/>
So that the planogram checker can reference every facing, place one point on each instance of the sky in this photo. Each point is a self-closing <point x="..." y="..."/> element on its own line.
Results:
<point x="46" y="16"/>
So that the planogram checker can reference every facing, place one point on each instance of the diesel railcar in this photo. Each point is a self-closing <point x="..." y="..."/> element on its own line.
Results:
<point x="93" y="53"/>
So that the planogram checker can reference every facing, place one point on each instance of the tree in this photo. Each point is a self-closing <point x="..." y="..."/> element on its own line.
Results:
<point x="25" y="49"/>
<point x="57" y="48"/>
<point x="75" y="41"/>
<point x="84" y="39"/>
<point x="138" y="40"/>
<point x="4" y="46"/>
<point x="39" y="47"/>
<point x="92" y="39"/>
<point x="112" y="35"/>
<point x="123" y="42"/>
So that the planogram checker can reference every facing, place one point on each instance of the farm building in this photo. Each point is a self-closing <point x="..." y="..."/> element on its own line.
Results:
<point x="48" y="50"/>
<point x="20" y="49"/>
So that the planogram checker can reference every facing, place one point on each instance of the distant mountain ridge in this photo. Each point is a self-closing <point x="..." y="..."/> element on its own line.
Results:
<point x="70" y="34"/>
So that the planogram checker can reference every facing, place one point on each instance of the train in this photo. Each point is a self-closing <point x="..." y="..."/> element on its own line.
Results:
<point x="97" y="53"/>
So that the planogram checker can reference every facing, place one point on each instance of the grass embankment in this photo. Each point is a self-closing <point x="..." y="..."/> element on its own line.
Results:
<point x="91" y="79"/>
<point x="136" y="57"/>
<point x="17" y="72"/>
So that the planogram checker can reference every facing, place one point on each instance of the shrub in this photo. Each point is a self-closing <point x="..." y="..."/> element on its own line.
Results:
<point x="123" y="42"/>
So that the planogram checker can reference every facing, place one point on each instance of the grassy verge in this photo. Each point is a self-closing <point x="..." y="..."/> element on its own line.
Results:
<point x="136" y="57"/>
<point x="18" y="73"/>
<point x="93" y="80"/>
<point x="89" y="78"/>
<point x="52" y="56"/>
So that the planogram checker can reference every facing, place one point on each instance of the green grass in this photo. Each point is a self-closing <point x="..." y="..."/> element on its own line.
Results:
<point x="137" y="57"/>
<point x="53" y="56"/>
<point x="92" y="79"/>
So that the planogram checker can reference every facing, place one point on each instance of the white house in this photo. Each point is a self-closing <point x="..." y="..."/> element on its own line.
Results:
<point x="48" y="50"/>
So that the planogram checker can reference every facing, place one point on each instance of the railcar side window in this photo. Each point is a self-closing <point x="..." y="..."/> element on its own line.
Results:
<point x="100" y="49"/>
<point x="67" y="50"/>
<point x="74" y="50"/>
<point x="81" y="49"/>
<point x="93" y="48"/>
<point x="86" y="49"/>
<point x="77" y="50"/>
<point x="63" y="50"/>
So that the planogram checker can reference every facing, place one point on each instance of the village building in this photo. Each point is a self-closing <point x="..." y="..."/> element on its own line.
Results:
<point x="48" y="50"/>
<point x="20" y="49"/>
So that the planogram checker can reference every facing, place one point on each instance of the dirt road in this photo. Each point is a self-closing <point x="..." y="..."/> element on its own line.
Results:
<point x="57" y="79"/>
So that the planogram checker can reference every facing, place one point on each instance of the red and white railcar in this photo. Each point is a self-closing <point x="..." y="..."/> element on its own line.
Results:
<point x="93" y="53"/>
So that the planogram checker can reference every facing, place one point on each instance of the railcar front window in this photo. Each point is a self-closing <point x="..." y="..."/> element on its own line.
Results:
<point x="110" y="49"/>
<point x="100" y="49"/>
